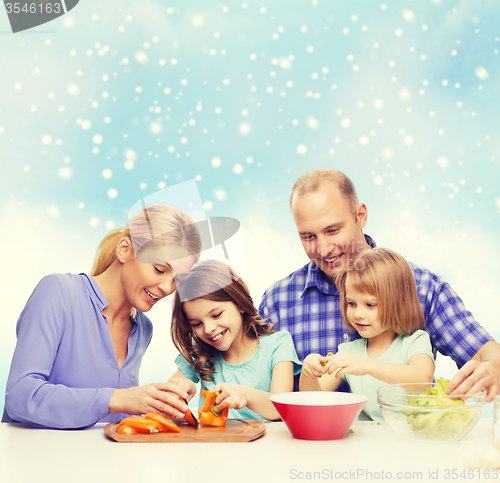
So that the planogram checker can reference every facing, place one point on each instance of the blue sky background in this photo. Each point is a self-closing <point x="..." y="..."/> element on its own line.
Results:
<point x="118" y="99"/>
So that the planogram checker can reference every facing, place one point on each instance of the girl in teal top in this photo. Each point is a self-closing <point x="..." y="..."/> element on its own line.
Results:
<point x="380" y="302"/>
<point x="226" y="345"/>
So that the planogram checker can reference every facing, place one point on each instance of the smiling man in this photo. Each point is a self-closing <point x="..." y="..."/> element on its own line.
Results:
<point x="330" y="222"/>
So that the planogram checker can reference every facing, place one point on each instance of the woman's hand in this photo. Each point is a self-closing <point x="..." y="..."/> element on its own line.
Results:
<point x="231" y="396"/>
<point x="158" y="397"/>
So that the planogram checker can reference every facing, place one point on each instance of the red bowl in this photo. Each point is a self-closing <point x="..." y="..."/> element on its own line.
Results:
<point x="318" y="416"/>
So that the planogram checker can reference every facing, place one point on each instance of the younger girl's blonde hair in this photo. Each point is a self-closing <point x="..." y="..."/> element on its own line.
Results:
<point x="175" y="226"/>
<point x="387" y="276"/>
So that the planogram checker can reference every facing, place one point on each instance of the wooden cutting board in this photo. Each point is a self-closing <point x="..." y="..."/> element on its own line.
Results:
<point x="236" y="430"/>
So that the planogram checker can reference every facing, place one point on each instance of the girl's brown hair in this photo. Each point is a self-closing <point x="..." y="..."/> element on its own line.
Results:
<point x="208" y="280"/>
<point x="175" y="226"/>
<point x="387" y="276"/>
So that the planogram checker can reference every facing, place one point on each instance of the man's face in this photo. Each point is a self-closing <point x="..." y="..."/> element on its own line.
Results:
<point x="328" y="229"/>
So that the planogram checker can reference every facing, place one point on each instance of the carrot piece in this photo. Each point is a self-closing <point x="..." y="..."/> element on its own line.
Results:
<point x="165" y="424"/>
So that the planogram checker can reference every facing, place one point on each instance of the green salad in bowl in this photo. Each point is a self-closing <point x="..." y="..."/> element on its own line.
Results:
<point x="426" y="411"/>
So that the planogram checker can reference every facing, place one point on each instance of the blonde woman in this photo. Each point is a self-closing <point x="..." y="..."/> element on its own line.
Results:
<point x="81" y="338"/>
<point x="379" y="301"/>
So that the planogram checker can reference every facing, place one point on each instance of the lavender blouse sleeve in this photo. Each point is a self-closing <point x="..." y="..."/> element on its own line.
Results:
<point x="30" y="396"/>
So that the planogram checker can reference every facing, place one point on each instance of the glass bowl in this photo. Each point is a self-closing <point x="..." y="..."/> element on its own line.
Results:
<point x="429" y="417"/>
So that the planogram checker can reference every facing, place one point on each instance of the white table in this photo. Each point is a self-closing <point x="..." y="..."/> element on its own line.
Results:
<point x="37" y="455"/>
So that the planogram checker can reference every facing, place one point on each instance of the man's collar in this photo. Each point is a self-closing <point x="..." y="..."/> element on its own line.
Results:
<point x="317" y="278"/>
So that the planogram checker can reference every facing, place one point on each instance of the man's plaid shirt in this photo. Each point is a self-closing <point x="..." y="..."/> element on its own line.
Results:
<point x="307" y="304"/>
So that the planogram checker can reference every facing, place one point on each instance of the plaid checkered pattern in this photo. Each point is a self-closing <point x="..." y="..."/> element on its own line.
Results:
<point x="307" y="304"/>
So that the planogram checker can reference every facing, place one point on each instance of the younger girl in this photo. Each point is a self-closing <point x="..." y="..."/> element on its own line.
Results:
<point x="226" y="345"/>
<point x="380" y="302"/>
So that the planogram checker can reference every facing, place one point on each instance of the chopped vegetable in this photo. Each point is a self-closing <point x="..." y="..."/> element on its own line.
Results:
<point x="438" y="424"/>
<point x="141" y="424"/>
<point x="208" y="415"/>
<point x="323" y="363"/>
<point x="166" y="425"/>
<point x="124" y="429"/>
<point x="189" y="416"/>
<point x="151" y="423"/>
<point x="214" y="412"/>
